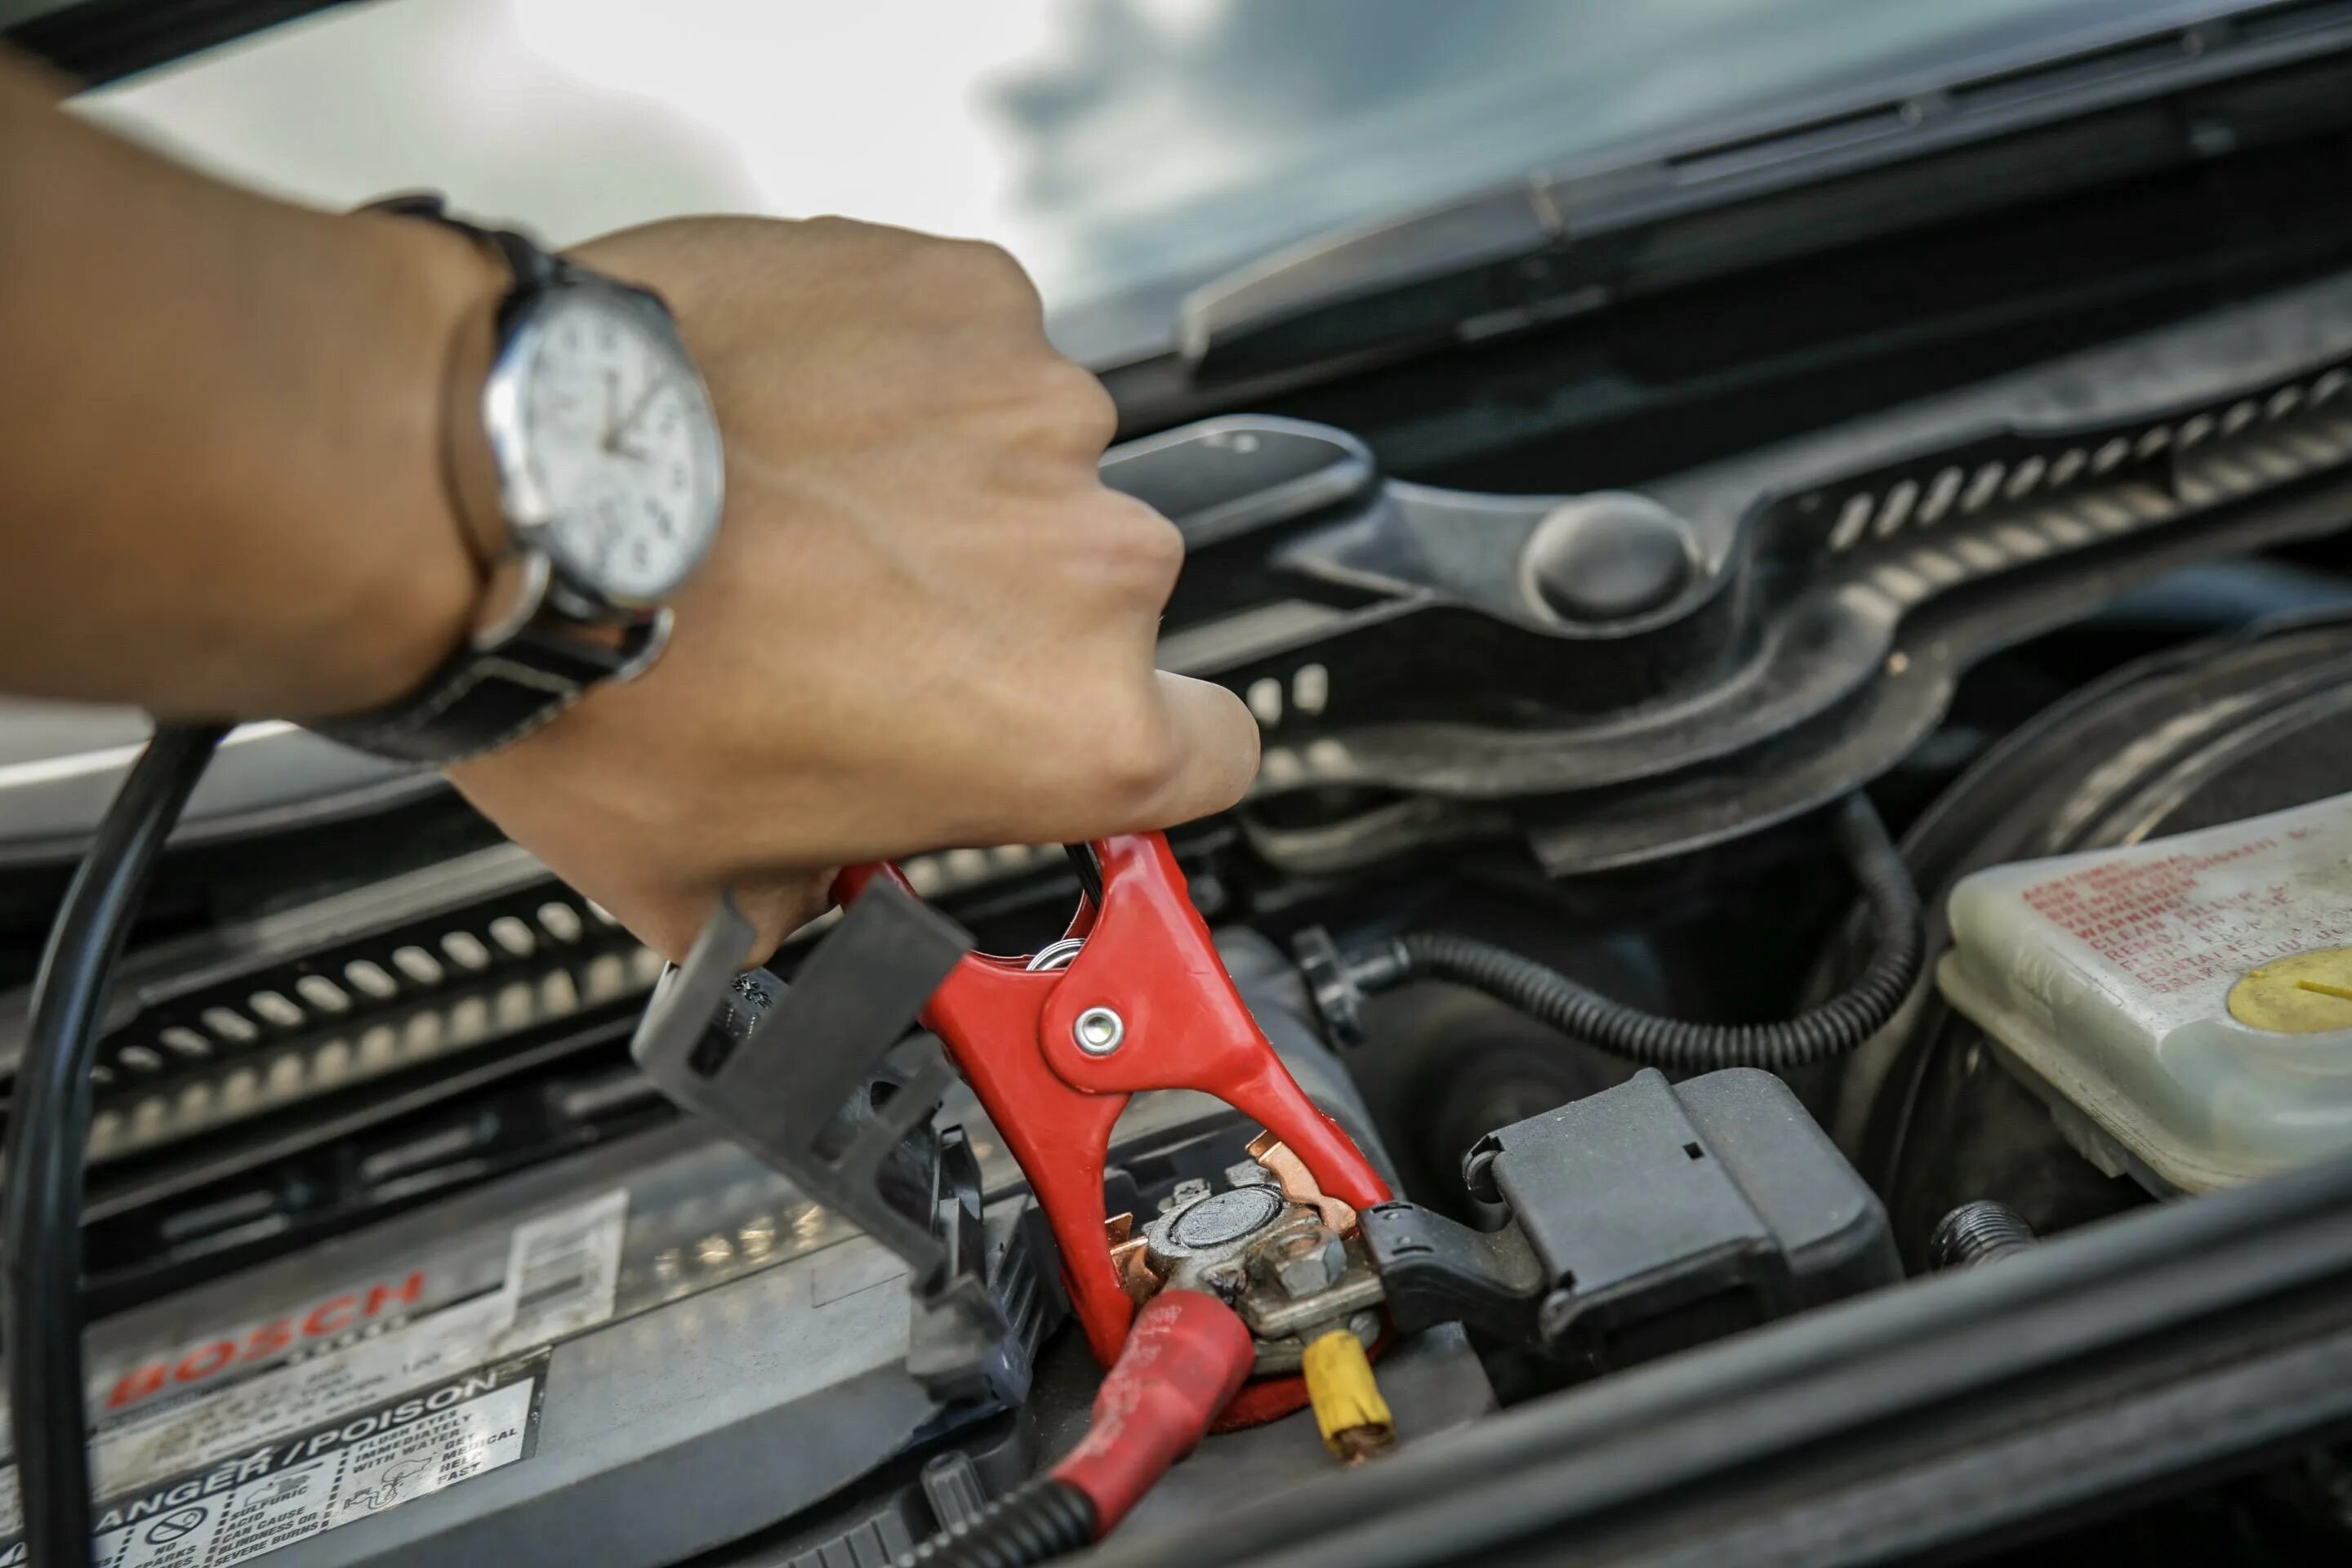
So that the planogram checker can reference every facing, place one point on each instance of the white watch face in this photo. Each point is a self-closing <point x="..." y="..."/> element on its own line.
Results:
<point x="608" y="443"/>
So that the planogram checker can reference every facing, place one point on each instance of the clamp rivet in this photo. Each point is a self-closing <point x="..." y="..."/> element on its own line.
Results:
<point x="1098" y="1031"/>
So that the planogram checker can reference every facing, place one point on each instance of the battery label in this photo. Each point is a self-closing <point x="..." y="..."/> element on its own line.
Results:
<point x="262" y="1343"/>
<point x="559" y="1277"/>
<point x="295" y="1486"/>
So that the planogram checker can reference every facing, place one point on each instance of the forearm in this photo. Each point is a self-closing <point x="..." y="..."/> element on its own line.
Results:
<point x="222" y="423"/>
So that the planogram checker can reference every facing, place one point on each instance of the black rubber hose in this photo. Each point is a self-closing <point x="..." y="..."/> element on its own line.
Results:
<point x="1838" y="1025"/>
<point x="1035" y="1524"/>
<point x="48" y="1131"/>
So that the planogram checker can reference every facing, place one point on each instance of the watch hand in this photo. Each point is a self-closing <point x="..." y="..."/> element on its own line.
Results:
<point x="654" y="386"/>
<point x="611" y="401"/>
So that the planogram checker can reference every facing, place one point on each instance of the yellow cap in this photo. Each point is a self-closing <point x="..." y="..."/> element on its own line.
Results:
<point x="2308" y="994"/>
<point x="1348" y="1410"/>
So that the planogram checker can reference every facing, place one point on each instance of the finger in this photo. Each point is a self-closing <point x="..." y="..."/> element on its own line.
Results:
<point x="778" y="907"/>
<point x="1210" y="758"/>
<point x="666" y="921"/>
<point x="670" y="919"/>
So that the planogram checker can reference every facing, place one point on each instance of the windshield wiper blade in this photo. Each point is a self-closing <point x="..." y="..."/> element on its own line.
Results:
<point x="2095" y="106"/>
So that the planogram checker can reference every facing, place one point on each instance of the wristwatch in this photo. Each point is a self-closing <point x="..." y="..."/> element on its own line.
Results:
<point x="610" y="486"/>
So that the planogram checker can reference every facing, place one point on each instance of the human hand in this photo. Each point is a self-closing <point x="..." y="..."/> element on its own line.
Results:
<point x="925" y="622"/>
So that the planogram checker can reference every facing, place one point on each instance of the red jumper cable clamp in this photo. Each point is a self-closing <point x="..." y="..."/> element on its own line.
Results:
<point x="1133" y="998"/>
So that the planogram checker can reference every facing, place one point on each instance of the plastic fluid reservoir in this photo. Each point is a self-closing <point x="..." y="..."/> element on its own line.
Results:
<point x="2191" y="997"/>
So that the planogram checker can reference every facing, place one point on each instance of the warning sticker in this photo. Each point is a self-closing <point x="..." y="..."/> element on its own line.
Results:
<point x="559" y="1277"/>
<point x="323" y="1476"/>
<point x="2183" y="920"/>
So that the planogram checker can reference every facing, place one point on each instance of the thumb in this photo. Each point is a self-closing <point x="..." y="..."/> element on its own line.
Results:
<point x="1215" y="747"/>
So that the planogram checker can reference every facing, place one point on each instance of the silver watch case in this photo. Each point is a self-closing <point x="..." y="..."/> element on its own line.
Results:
<point x="527" y="581"/>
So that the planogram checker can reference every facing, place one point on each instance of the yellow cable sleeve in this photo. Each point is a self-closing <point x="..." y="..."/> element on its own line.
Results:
<point x="1348" y="1410"/>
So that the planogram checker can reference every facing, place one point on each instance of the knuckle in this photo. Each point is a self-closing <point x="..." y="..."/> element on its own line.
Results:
<point x="1077" y="401"/>
<point x="1053" y="409"/>
<point x="1141" y="550"/>
<point x="1130" y="757"/>
<point x="988" y="271"/>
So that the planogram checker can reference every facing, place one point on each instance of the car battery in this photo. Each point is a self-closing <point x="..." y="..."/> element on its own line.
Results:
<point x="627" y="1357"/>
<point x="528" y="1369"/>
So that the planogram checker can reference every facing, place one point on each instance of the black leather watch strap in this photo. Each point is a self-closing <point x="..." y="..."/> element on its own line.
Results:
<point x="532" y="265"/>
<point x="485" y="696"/>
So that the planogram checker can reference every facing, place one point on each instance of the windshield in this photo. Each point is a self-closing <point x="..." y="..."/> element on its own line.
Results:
<point x="1124" y="150"/>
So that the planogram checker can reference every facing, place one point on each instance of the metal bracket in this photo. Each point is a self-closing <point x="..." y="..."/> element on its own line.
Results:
<point x="812" y="1078"/>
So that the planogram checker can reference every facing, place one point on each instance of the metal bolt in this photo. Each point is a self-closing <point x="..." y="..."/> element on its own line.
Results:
<point x="1098" y="1031"/>
<point x="1305" y="1261"/>
<point x="1979" y="1232"/>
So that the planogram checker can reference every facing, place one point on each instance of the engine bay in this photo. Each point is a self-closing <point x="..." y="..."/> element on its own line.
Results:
<point x="515" y="1210"/>
<point x="1796" y="895"/>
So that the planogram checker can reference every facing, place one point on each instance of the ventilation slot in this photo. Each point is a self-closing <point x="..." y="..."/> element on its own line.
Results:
<point x="1983" y="487"/>
<point x="185" y="1042"/>
<point x="1852" y="522"/>
<point x="369" y="979"/>
<point x="1942" y="492"/>
<point x="514" y="936"/>
<point x="234" y="1029"/>
<point x="418" y="964"/>
<point x="466" y="950"/>
<point x="371" y="1005"/>
<point x="1310" y="688"/>
<point x="1974" y="497"/>
<point x="1897" y="508"/>
<point x="323" y="994"/>
<point x="271" y="1008"/>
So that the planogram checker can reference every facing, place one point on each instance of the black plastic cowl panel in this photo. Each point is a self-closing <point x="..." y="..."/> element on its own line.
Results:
<point x="1396" y="640"/>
